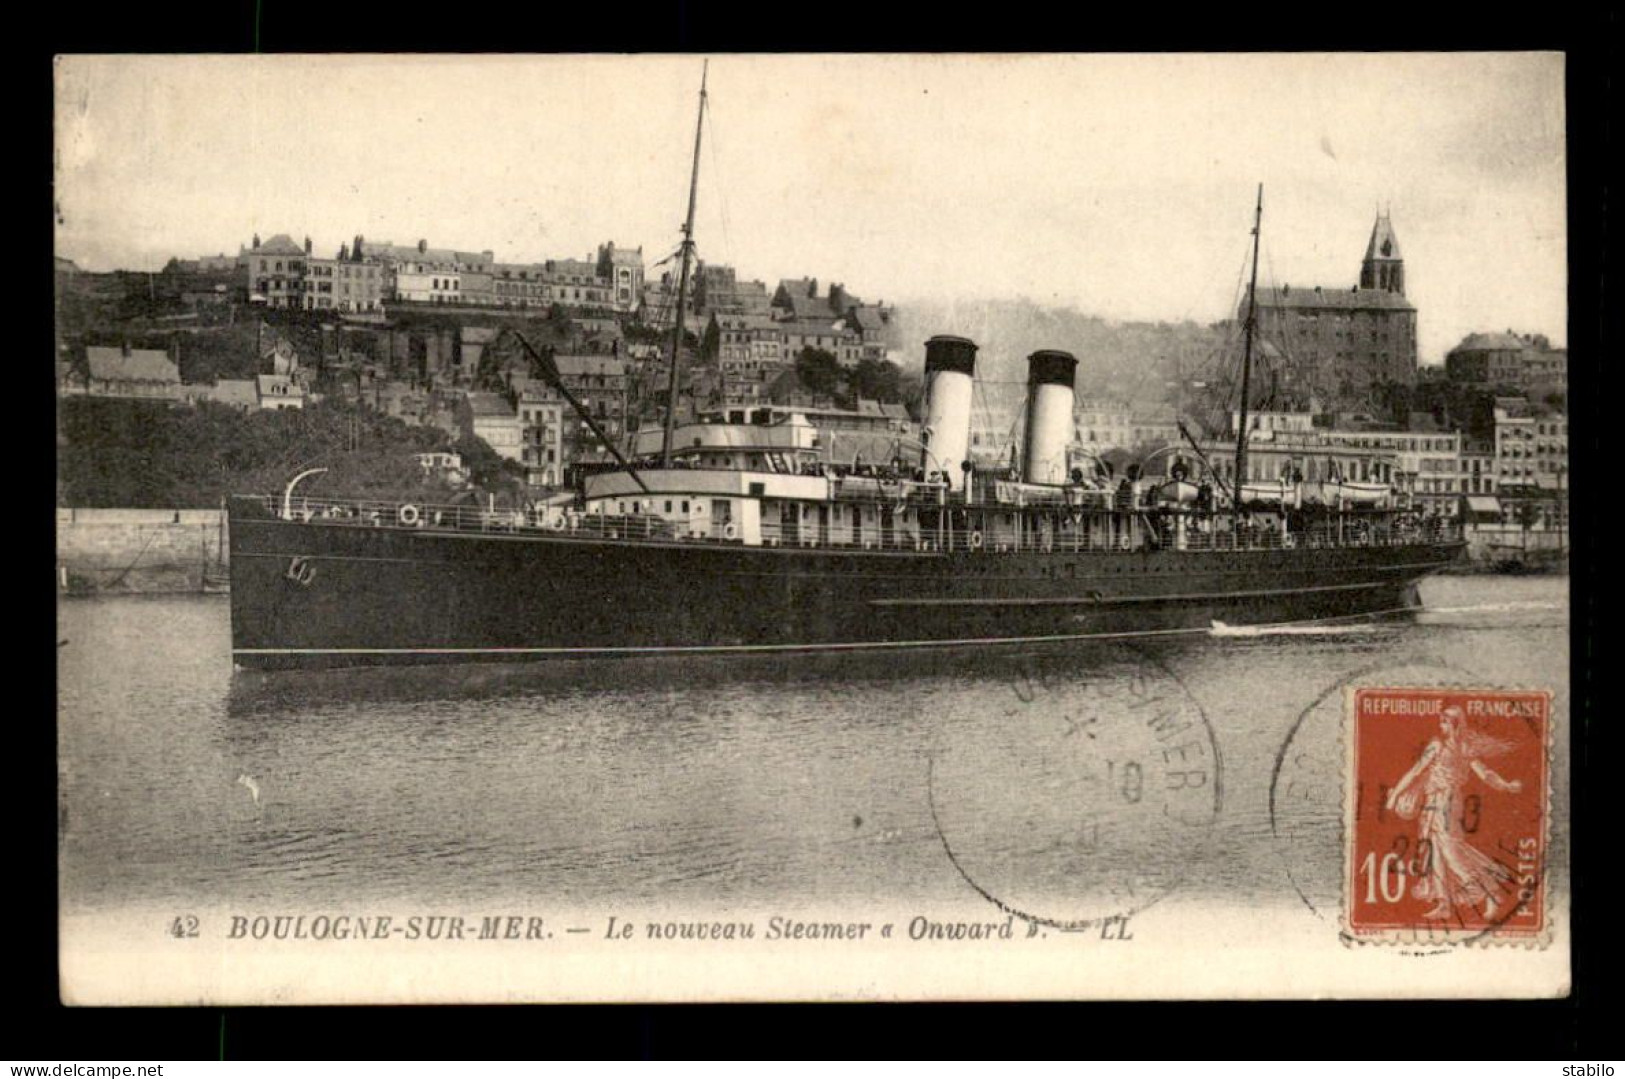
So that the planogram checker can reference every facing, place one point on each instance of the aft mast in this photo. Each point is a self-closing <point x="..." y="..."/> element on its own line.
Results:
<point x="1248" y="328"/>
<point x="682" y="279"/>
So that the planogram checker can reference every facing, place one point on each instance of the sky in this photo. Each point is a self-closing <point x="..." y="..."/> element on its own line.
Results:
<point x="1119" y="185"/>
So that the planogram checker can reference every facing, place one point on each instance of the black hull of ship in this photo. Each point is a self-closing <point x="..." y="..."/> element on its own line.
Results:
<point x="321" y="595"/>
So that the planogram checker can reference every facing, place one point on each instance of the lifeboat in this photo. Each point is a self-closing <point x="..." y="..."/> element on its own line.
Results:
<point x="1268" y="493"/>
<point x="1347" y="493"/>
<point x="1175" y="493"/>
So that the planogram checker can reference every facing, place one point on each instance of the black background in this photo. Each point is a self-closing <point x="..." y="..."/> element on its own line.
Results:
<point x="1586" y="1024"/>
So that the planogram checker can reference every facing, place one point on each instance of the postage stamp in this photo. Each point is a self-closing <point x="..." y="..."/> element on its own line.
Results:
<point x="1446" y="815"/>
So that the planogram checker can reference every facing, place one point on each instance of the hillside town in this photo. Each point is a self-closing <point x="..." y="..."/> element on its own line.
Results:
<point x="416" y="332"/>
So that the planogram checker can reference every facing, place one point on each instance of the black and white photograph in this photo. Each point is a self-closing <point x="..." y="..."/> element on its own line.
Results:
<point x="812" y="527"/>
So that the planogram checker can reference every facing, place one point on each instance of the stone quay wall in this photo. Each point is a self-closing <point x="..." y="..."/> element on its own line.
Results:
<point x="137" y="551"/>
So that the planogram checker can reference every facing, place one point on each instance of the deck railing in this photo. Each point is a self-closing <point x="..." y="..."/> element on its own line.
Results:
<point x="1090" y="531"/>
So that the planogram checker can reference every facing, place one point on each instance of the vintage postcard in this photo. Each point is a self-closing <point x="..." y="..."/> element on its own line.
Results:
<point x="802" y="527"/>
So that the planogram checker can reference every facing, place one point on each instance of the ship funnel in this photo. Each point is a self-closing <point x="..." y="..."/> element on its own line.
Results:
<point x="1049" y="415"/>
<point x="950" y="367"/>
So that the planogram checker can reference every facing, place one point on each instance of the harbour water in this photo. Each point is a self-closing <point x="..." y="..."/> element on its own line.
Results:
<point x="727" y="783"/>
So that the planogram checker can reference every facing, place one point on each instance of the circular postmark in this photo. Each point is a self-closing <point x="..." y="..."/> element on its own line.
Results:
<point x="1316" y="802"/>
<point x="1085" y="795"/>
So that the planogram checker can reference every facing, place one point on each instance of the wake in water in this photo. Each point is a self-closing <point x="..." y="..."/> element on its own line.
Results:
<point x="1498" y="608"/>
<point x="1340" y="626"/>
<point x="1293" y="629"/>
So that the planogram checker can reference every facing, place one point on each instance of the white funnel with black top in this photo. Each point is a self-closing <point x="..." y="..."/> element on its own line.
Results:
<point x="950" y="372"/>
<point x="1049" y="415"/>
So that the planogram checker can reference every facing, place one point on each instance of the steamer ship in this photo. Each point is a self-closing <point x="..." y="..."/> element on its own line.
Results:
<point x="748" y="537"/>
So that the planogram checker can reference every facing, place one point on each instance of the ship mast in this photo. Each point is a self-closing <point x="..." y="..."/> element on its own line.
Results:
<point x="682" y="279"/>
<point x="1247" y="360"/>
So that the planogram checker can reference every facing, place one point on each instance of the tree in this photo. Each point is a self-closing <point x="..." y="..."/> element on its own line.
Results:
<point x="147" y="454"/>
<point x="878" y="380"/>
<point x="487" y="469"/>
<point x="819" y="371"/>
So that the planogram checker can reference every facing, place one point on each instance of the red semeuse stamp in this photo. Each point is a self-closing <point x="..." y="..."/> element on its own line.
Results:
<point x="1446" y="814"/>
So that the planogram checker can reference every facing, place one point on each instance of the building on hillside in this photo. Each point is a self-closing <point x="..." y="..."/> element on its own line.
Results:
<point x="241" y="394"/>
<point x="1531" y="446"/>
<point x="750" y="356"/>
<point x="595" y="335"/>
<point x="278" y="392"/>
<point x="787" y="390"/>
<point x="659" y="306"/>
<point x="478" y="288"/>
<point x="1267" y="422"/>
<point x="1101" y="425"/>
<point x="1311" y="456"/>
<point x="429" y="271"/>
<point x="1524" y="362"/>
<point x="1477" y="468"/>
<point x="718" y="291"/>
<point x="417" y="282"/>
<point x="520" y="284"/>
<point x="343" y="284"/>
<point x="1343" y="347"/>
<point x="872" y="324"/>
<point x="1487" y="359"/>
<point x="621" y="268"/>
<point x="826" y="335"/>
<point x="1427" y="463"/>
<point x="600" y="384"/>
<point x="995" y="434"/>
<point x="576" y="285"/>
<point x="131" y="372"/>
<point x="276" y="271"/>
<point x="490" y="417"/>
<point x="541" y="422"/>
<point x="444" y="466"/>
<point x="406" y="401"/>
<point x="798" y="298"/>
<point x="472" y="343"/>
<point x="420" y="255"/>
<point x="211" y="280"/>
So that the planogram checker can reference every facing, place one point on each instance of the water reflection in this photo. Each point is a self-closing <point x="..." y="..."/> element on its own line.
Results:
<point x="734" y="780"/>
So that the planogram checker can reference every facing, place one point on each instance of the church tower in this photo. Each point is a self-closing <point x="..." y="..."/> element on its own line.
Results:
<point x="1383" y="268"/>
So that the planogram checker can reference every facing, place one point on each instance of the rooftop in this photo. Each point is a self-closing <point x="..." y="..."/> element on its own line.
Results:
<point x="489" y="404"/>
<point x="278" y="386"/>
<point x="134" y="365"/>
<point x="589" y="365"/>
<point x="280" y="244"/>
<point x="1491" y="342"/>
<point x="236" y="391"/>
<point x="1288" y="297"/>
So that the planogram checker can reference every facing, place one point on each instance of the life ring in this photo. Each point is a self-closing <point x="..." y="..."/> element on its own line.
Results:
<point x="730" y="531"/>
<point x="556" y="523"/>
<point x="976" y="541"/>
<point x="408" y="515"/>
